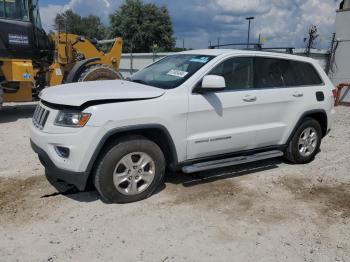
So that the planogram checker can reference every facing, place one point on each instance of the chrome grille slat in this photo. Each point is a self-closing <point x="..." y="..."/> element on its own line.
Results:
<point x="42" y="111"/>
<point x="40" y="117"/>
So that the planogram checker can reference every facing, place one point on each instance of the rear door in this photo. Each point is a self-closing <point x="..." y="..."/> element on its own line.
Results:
<point x="284" y="89"/>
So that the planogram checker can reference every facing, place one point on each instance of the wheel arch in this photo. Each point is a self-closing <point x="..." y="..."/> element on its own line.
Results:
<point x="78" y="68"/>
<point x="319" y="115"/>
<point x="155" y="132"/>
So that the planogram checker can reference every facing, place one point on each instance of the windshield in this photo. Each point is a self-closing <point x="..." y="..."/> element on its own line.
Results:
<point x="14" y="9"/>
<point x="171" y="71"/>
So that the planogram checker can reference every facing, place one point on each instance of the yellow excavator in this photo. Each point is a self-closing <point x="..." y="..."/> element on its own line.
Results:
<point x="31" y="60"/>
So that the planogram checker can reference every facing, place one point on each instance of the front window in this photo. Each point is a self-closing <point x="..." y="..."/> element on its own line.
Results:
<point x="14" y="9"/>
<point x="237" y="72"/>
<point x="171" y="71"/>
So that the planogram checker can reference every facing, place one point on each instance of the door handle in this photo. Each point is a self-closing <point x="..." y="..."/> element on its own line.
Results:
<point x="298" y="94"/>
<point x="249" y="98"/>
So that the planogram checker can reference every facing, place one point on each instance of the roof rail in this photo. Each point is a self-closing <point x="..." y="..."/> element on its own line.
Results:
<point x="256" y="46"/>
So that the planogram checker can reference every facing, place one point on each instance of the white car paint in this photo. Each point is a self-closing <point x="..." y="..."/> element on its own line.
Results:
<point x="226" y="120"/>
<point x="77" y="94"/>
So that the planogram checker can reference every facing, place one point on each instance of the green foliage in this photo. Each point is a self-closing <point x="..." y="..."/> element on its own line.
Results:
<point x="91" y="26"/>
<point x="143" y="27"/>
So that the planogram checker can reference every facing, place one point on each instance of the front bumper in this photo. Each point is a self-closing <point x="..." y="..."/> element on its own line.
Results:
<point x="78" y="179"/>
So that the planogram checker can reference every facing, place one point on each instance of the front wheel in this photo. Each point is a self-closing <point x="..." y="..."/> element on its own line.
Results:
<point x="129" y="170"/>
<point x="305" y="143"/>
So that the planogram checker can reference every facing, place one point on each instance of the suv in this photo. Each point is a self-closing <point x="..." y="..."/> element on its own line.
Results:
<point x="192" y="111"/>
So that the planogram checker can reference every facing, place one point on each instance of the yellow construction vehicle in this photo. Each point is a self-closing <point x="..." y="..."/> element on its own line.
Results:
<point x="31" y="60"/>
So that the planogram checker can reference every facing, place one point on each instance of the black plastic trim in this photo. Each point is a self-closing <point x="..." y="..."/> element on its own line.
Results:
<point x="78" y="179"/>
<point x="232" y="154"/>
<point x="78" y="68"/>
<point x="303" y="116"/>
<point x="116" y="131"/>
<point x="320" y="96"/>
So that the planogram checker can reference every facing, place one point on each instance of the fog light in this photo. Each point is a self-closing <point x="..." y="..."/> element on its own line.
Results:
<point x="62" y="151"/>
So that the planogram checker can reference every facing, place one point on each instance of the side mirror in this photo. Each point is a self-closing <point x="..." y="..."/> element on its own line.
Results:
<point x="213" y="83"/>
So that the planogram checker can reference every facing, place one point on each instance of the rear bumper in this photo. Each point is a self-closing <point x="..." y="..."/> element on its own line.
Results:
<point x="78" y="179"/>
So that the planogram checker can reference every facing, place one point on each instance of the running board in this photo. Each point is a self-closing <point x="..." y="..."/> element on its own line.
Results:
<point x="231" y="161"/>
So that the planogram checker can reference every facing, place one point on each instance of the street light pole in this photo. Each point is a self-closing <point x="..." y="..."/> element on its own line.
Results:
<point x="249" y="19"/>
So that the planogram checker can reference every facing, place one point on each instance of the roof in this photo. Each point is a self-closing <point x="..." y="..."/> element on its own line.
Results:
<point x="224" y="52"/>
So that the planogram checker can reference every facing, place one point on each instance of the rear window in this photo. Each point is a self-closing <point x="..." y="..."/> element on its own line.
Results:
<point x="271" y="72"/>
<point x="306" y="74"/>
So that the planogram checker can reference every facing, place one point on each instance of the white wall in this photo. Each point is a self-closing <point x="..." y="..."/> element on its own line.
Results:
<point x="131" y="63"/>
<point x="342" y="55"/>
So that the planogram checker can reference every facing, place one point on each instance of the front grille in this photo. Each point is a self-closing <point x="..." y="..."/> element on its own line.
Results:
<point x="40" y="117"/>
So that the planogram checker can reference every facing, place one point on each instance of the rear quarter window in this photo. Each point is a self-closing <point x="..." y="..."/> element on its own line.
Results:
<point x="278" y="73"/>
<point x="307" y="75"/>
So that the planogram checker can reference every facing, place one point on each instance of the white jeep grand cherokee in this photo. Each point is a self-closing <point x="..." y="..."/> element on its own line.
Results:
<point x="192" y="111"/>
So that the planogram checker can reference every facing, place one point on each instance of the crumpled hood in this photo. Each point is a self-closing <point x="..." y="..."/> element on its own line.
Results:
<point x="77" y="94"/>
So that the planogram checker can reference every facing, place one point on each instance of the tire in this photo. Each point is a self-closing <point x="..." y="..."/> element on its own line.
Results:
<point x="99" y="72"/>
<point x="117" y="182"/>
<point x="304" y="146"/>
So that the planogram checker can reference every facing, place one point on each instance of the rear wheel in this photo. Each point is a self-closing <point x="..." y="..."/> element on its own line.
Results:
<point x="129" y="170"/>
<point x="305" y="142"/>
<point x="99" y="72"/>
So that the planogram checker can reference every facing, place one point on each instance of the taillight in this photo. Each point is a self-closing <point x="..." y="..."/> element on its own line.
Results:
<point x="335" y="93"/>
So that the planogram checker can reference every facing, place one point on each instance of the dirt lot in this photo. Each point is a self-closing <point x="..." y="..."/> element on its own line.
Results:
<point x="267" y="211"/>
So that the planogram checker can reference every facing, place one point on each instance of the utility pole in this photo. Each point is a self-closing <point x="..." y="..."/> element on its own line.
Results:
<point x="183" y="44"/>
<point x="311" y="40"/>
<point x="209" y="44"/>
<point x="249" y="20"/>
<point x="218" y="42"/>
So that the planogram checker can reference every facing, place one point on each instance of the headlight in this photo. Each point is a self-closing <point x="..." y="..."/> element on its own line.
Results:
<point x="72" y="119"/>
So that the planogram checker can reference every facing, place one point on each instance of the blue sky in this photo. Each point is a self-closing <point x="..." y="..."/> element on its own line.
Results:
<point x="283" y="23"/>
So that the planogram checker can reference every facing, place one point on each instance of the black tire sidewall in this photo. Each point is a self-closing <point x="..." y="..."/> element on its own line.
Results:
<point x="298" y="158"/>
<point x="106" y="71"/>
<point x="104" y="173"/>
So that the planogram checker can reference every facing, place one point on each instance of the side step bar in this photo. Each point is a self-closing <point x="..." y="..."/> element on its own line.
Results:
<point x="231" y="161"/>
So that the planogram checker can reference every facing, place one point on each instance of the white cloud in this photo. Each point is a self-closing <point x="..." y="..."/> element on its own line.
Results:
<point x="256" y="6"/>
<point x="284" y="23"/>
<point x="289" y="25"/>
<point x="101" y="8"/>
<point x="48" y="14"/>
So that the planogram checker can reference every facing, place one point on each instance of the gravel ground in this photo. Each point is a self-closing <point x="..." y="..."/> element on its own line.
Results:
<point x="266" y="211"/>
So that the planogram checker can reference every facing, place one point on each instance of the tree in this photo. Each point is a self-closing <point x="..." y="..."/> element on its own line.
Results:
<point x="91" y="26"/>
<point x="142" y="27"/>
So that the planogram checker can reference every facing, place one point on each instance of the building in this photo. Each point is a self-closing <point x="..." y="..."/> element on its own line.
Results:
<point x="340" y="72"/>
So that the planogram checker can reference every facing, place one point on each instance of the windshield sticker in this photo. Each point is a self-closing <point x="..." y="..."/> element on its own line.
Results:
<point x="202" y="59"/>
<point x="177" y="73"/>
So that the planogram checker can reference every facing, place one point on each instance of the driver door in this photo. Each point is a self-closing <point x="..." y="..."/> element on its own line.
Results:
<point x="221" y="122"/>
